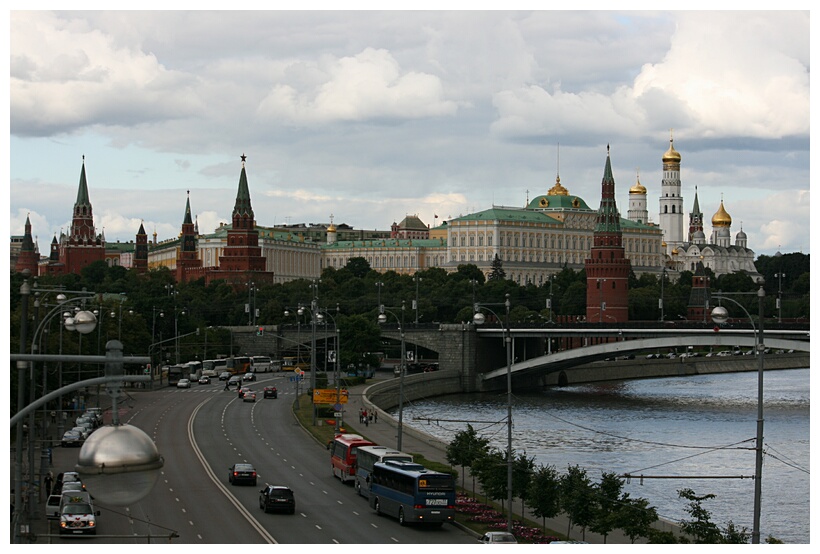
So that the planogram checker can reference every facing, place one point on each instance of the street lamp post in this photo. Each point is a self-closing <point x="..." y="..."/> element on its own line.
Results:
<point x="379" y="285"/>
<point x="478" y="319"/>
<point x="660" y="300"/>
<point x="721" y="315"/>
<point x="337" y="374"/>
<point x="383" y="319"/>
<point x="779" y="276"/>
<point x="549" y="304"/>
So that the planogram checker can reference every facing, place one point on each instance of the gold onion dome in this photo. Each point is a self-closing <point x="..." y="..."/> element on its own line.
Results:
<point x="721" y="217"/>
<point x="558" y="189"/>
<point x="671" y="155"/>
<point x="637" y="188"/>
<point x="331" y="228"/>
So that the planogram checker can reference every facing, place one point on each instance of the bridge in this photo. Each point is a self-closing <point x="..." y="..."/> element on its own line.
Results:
<point x="623" y="342"/>
<point x="556" y="355"/>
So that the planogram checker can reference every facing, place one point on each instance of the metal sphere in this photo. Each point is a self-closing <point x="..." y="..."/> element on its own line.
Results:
<point x="119" y="464"/>
<point x="720" y="315"/>
<point x="479" y="318"/>
<point x="85" y="322"/>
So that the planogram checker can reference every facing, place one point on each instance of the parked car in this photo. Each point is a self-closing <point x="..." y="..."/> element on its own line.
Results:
<point x="277" y="498"/>
<point x="73" y="497"/>
<point x="78" y="519"/>
<point x="53" y="506"/>
<point x="225" y="375"/>
<point x="270" y="392"/>
<point x="89" y="421"/>
<point x="72" y="487"/>
<point x="83" y="431"/>
<point x="184" y="384"/>
<point x="249" y="396"/>
<point x="249" y="376"/>
<point x="71" y="438"/>
<point x="497" y="537"/>
<point x="242" y="473"/>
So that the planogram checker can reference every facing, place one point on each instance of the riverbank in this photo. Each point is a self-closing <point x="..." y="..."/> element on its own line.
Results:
<point x="416" y="442"/>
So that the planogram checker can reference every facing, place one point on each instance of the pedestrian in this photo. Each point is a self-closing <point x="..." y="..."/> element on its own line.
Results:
<point x="365" y="418"/>
<point x="48" y="483"/>
<point x="375" y="417"/>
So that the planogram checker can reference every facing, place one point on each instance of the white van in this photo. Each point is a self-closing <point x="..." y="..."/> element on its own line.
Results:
<point x="260" y="364"/>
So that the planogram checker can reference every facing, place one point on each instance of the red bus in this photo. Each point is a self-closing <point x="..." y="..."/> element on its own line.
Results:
<point x="343" y="452"/>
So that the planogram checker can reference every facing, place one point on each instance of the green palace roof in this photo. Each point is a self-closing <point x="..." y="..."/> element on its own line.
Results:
<point x="509" y="214"/>
<point x="386" y="243"/>
<point x="558" y="202"/>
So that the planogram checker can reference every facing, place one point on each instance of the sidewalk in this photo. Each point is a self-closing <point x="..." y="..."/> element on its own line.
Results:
<point x="385" y="432"/>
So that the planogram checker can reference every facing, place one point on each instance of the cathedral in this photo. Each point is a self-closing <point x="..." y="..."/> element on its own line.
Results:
<point x="682" y="251"/>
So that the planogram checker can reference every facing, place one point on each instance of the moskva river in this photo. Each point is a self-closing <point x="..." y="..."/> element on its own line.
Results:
<point x="688" y="427"/>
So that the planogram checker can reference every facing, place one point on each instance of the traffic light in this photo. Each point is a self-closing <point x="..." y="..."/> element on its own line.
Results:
<point x="260" y="331"/>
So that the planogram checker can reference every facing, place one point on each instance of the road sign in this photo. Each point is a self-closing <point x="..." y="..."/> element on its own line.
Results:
<point x="328" y="396"/>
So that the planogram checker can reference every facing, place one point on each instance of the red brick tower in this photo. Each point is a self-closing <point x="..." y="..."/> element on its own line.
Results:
<point x="607" y="268"/>
<point x="700" y="296"/>
<point x="81" y="247"/>
<point x="29" y="257"/>
<point x="187" y="255"/>
<point x="141" y="251"/>
<point x="242" y="259"/>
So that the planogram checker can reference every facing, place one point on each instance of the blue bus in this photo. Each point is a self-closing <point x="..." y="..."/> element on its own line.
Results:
<point x="367" y="457"/>
<point x="413" y="494"/>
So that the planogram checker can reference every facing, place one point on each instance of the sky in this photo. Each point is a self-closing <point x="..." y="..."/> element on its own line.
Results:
<point x="368" y="116"/>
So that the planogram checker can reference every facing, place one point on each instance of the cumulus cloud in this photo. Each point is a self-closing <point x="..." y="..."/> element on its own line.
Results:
<point x="725" y="74"/>
<point x="369" y="85"/>
<point x="64" y="77"/>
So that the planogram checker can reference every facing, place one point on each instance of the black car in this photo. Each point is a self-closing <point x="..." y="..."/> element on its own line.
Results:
<point x="242" y="473"/>
<point x="276" y="498"/>
<point x="271" y="392"/>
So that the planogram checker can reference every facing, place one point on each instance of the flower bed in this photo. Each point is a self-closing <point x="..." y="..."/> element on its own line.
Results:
<point x="483" y="513"/>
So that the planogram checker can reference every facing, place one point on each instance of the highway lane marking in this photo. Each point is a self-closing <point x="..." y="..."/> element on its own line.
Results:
<point x="212" y="476"/>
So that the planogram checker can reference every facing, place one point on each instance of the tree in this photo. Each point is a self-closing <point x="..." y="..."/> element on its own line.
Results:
<point x="522" y="473"/>
<point x="497" y="272"/>
<point x="543" y="497"/>
<point x="465" y="272"/>
<point x="577" y="498"/>
<point x="464" y="449"/>
<point x="700" y="528"/>
<point x="731" y="534"/>
<point x="636" y="519"/>
<point x="358" y="266"/>
<point x="491" y="472"/>
<point x="608" y="504"/>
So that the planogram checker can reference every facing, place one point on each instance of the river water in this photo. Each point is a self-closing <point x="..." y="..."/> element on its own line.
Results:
<point x="684" y="427"/>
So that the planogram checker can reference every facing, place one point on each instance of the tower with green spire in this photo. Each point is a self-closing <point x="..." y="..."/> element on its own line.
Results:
<point x="81" y="246"/>
<point x="29" y="256"/>
<point x="187" y="254"/>
<point x="607" y="268"/>
<point x="242" y="260"/>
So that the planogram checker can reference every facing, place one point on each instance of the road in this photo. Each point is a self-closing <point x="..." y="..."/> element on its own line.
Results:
<point x="201" y="432"/>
